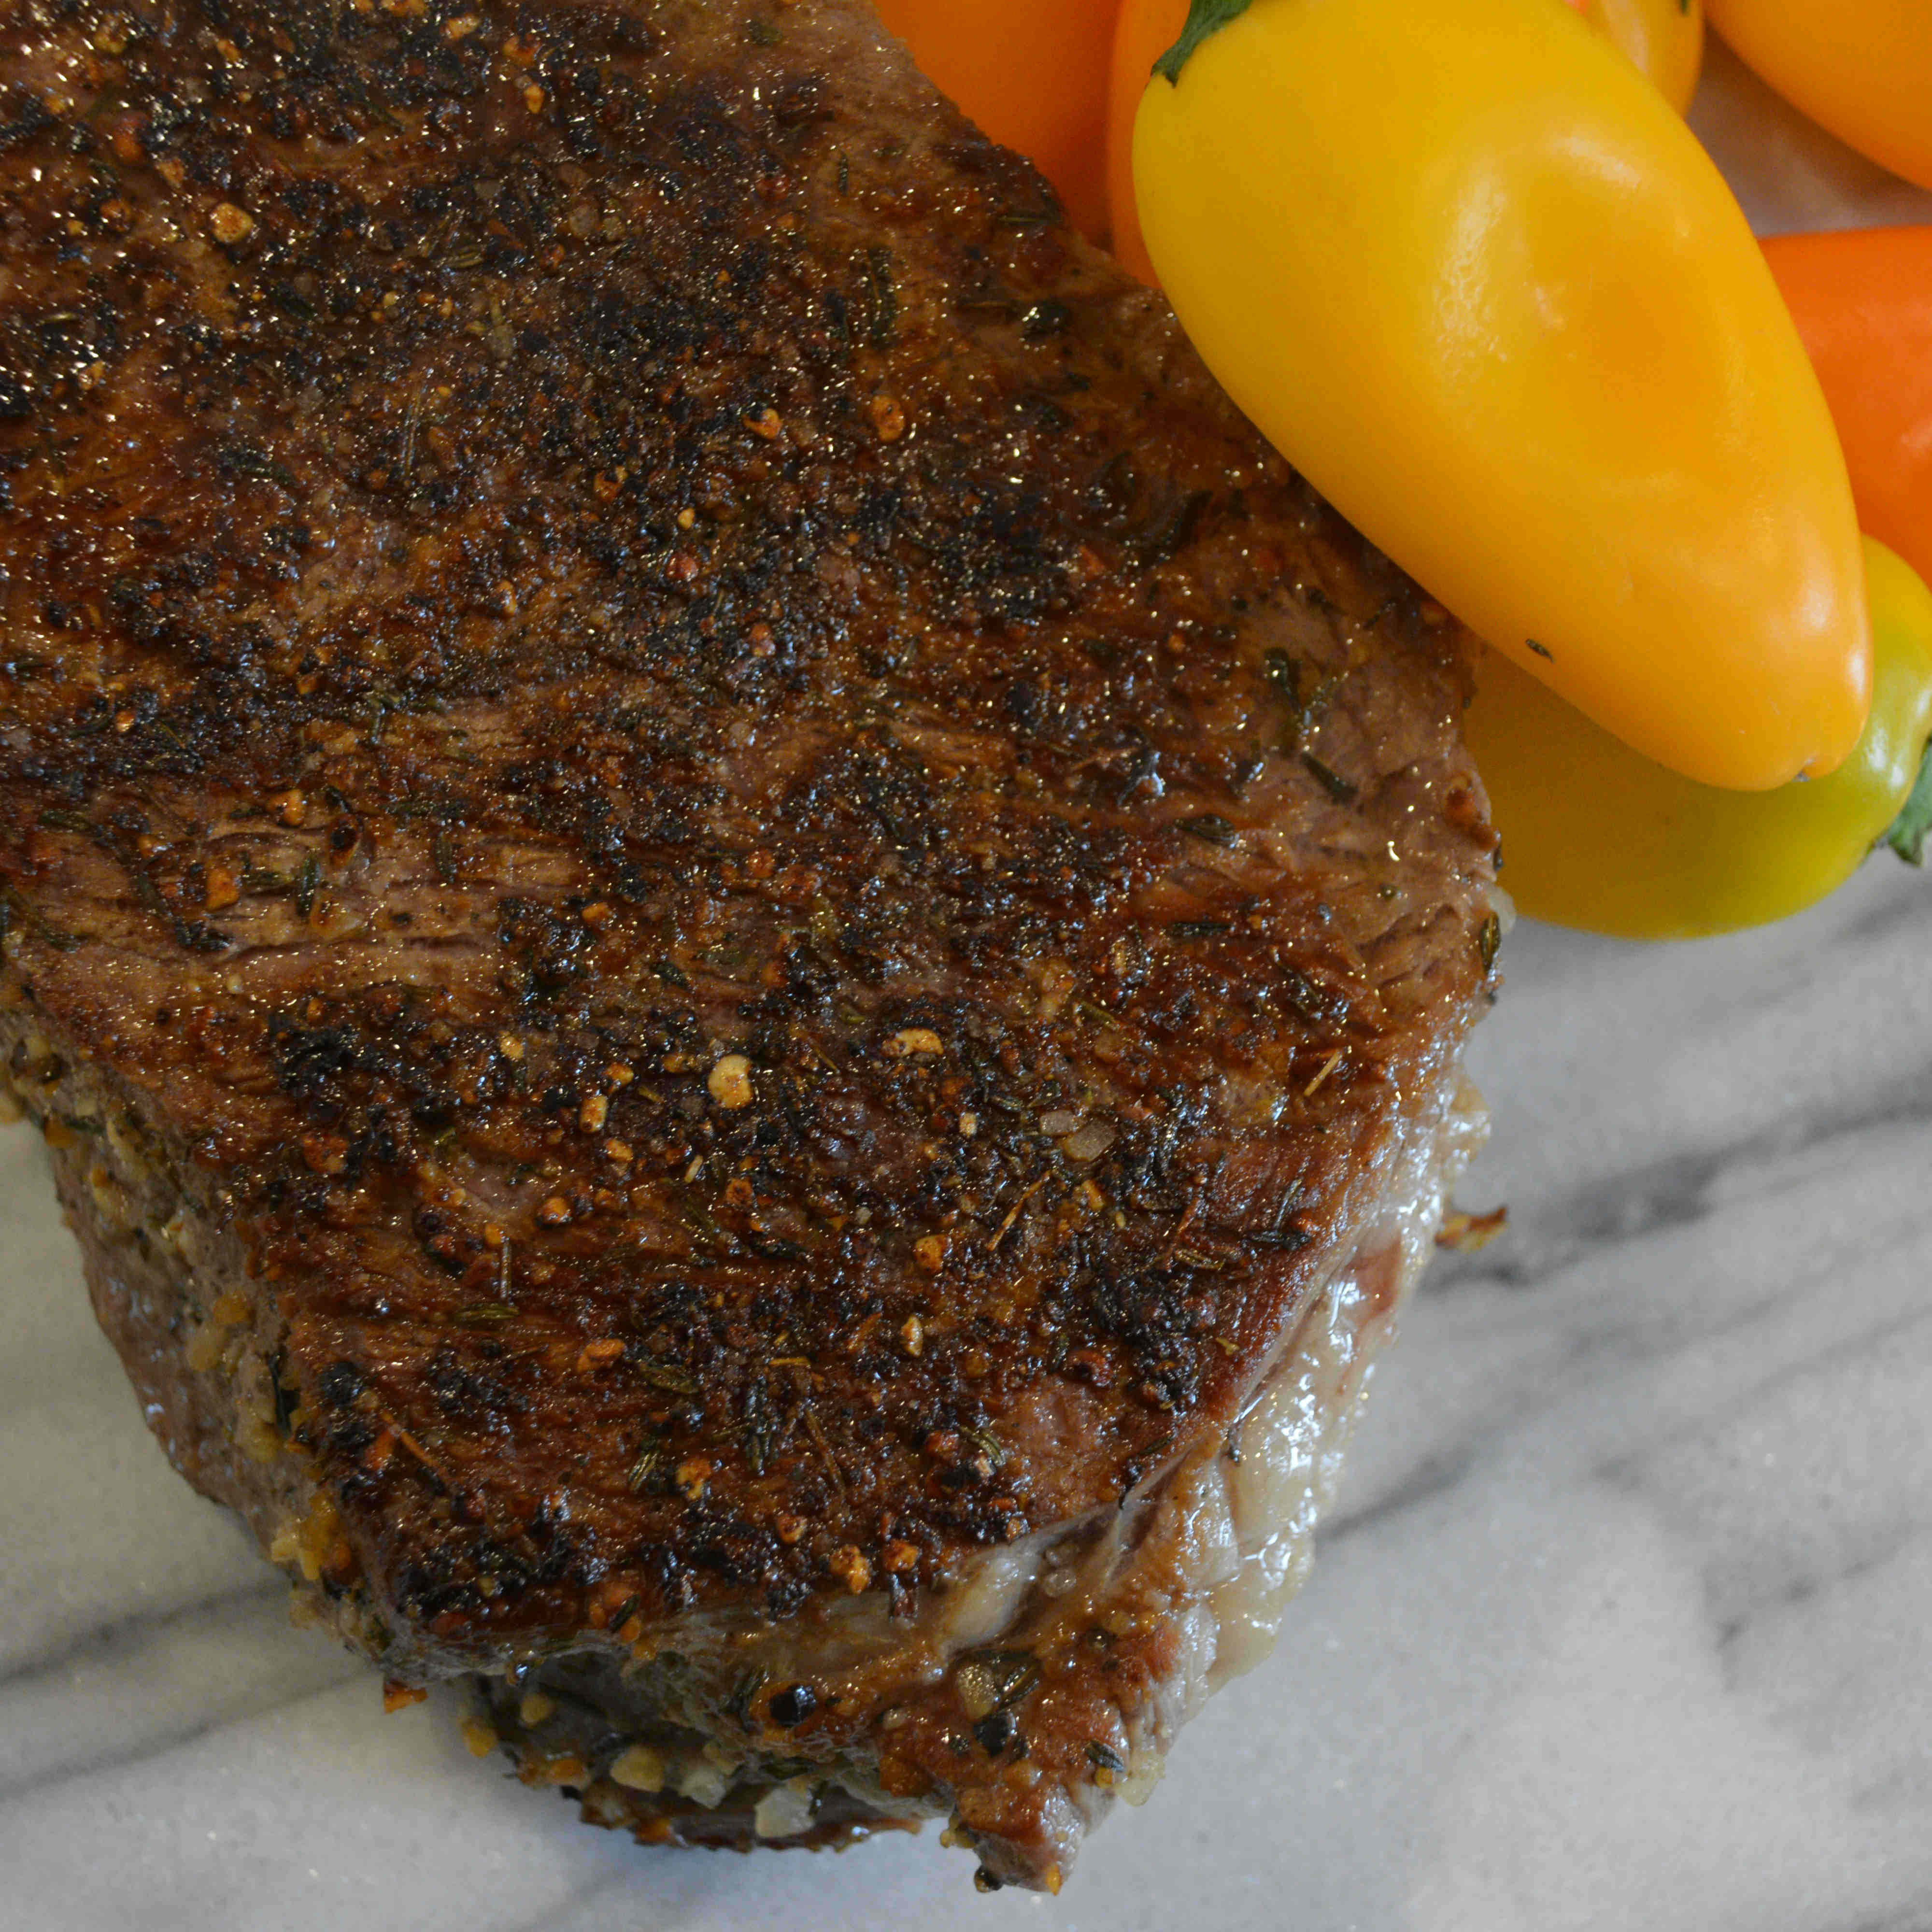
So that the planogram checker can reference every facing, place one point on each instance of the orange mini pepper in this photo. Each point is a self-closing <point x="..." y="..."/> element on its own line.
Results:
<point x="1033" y="74"/>
<point x="1863" y="304"/>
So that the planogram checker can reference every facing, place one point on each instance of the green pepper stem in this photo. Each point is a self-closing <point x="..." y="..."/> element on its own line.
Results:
<point x="1203" y="18"/>
<point x="1913" y="825"/>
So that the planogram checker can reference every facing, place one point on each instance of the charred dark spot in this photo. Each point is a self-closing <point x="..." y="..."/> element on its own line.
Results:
<point x="791" y="1706"/>
<point x="995" y="1731"/>
<point x="1045" y="319"/>
<point x="341" y="1384"/>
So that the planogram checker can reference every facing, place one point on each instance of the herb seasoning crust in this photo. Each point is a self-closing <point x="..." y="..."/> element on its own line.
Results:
<point x="724" y="908"/>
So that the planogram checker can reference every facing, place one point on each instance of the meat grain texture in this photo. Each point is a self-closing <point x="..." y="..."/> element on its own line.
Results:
<point x="745" y="948"/>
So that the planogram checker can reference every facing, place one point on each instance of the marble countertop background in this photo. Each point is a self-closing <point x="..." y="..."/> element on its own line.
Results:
<point x="1624" y="1619"/>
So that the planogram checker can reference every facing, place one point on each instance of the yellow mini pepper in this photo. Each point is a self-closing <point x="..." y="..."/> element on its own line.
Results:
<point x="1467" y="270"/>
<point x="1862" y="68"/>
<point x="1595" y="836"/>
<point x="1665" y="38"/>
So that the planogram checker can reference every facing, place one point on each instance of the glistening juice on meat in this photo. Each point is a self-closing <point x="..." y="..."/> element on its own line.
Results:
<point x="745" y="946"/>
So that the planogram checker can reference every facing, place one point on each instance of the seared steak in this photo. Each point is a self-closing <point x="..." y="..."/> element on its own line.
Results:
<point x="745" y="946"/>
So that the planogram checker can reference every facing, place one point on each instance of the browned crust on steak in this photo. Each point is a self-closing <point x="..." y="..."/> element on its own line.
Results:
<point x="785" y="894"/>
<point x="1123" y="1624"/>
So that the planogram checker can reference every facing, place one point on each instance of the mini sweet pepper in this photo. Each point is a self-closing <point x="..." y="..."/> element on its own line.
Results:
<point x="1471" y="273"/>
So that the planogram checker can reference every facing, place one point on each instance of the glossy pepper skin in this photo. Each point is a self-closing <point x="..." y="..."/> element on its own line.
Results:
<point x="1664" y="39"/>
<point x="1031" y="73"/>
<point x="1145" y="30"/>
<point x="1861" y="68"/>
<point x="1862" y="300"/>
<point x="1596" y="837"/>
<point x="1469" y="273"/>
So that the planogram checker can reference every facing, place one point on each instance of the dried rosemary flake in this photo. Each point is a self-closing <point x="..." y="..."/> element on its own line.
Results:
<point x="1287" y="1236"/>
<point x="674" y="1381"/>
<point x="1211" y="829"/>
<point x="1488" y="940"/>
<point x="995" y="1680"/>
<point x="650" y="1461"/>
<point x="1332" y="782"/>
<point x="485" y="1315"/>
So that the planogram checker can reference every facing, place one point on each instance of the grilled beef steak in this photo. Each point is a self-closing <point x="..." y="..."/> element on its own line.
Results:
<point x="745" y="946"/>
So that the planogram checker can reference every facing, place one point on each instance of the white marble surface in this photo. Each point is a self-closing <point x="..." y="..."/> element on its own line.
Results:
<point x="1625" y="1620"/>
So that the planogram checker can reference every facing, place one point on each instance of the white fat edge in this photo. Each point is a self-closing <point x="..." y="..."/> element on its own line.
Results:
<point x="784" y="1811"/>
